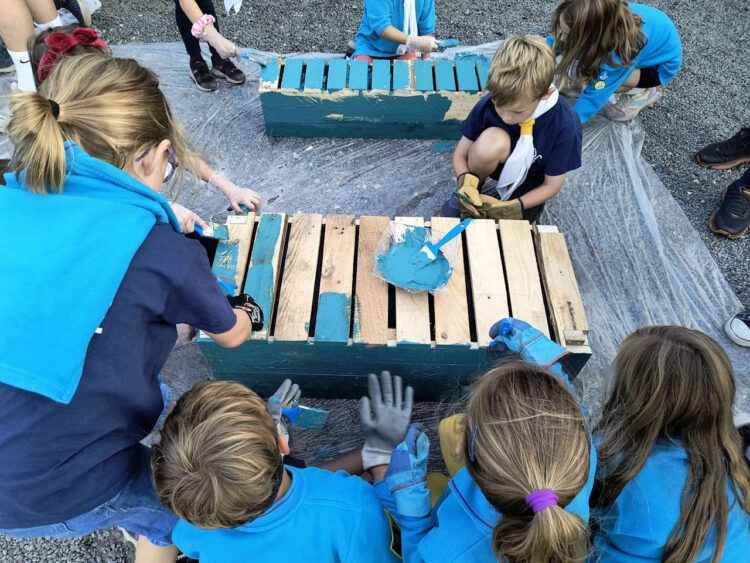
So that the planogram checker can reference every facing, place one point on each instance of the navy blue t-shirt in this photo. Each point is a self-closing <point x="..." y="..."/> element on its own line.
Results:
<point x="60" y="461"/>
<point x="556" y="133"/>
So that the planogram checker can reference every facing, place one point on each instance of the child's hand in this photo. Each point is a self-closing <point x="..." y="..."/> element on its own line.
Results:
<point x="520" y="337"/>
<point x="422" y="43"/>
<point x="237" y="196"/>
<point x="225" y="47"/>
<point x="387" y="428"/>
<point x="186" y="218"/>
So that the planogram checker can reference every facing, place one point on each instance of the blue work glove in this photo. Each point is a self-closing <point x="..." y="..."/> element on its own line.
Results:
<point x="407" y="473"/>
<point x="520" y="337"/>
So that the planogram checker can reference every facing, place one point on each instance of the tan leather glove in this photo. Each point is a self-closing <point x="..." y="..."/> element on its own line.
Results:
<point x="473" y="205"/>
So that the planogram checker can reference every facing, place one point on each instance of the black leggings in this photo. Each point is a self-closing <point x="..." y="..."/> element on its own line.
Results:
<point x="193" y="45"/>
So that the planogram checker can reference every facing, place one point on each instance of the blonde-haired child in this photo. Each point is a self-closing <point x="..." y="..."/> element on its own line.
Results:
<point x="672" y="483"/>
<point x="91" y="153"/>
<point x="520" y="134"/>
<point x="219" y="468"/>
<point x="611" y="49"/>
<point x="523" y="494"/>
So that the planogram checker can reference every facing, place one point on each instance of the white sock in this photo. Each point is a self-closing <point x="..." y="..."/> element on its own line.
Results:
<point x="24" y="71"/>
<point x="634" y="91"/>
<point x="57" y="22"/>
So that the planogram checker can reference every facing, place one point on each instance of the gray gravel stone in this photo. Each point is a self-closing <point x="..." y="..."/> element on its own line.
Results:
<point x="708" y="101"/>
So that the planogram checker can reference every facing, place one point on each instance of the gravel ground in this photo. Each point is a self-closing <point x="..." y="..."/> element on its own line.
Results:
<point x="708" y="101"/>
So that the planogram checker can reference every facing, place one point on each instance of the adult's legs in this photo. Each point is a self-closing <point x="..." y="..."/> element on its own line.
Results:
<point x="146" y="552"/>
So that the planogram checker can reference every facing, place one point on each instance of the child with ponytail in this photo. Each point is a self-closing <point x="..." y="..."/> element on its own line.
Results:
<point x="90" y="293"/>
<point x="523" y="494"/>
<point x="617" y="51"/>
<point x="672" y="484"/>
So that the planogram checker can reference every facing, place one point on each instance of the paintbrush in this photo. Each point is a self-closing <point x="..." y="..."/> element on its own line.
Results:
<point x="431" y="250"/>
<point x="258" y="62"/>
<point x="213" y="230"/>
<point x="306" y="417"/>
<point x="445" y="43"/>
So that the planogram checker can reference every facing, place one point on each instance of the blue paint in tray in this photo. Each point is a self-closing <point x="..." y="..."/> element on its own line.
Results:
<point x="405" y="265"/>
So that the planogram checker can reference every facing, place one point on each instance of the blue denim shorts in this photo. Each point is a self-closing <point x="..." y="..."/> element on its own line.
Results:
<point x="135" y="508"/>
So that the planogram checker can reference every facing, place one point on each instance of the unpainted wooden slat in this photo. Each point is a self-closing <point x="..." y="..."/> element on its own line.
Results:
<point x="412" y="309"/>
<point x="298" y="286"/>
<point x="292" y="74"/>
<point x="336" y="280"/>
<point x="371" y="299"/>
<point x="337" y="70"/>
<point x="401" y="75"/>
<point x="314" y="73"/>
<point x="451" y="303"/>
<point x="445" y="75"/>
<point x="358" y="75"/>
<point x="381" y="74"/>
<point x="561" y="288"/>
<point x="423" y="76"/>
<point x="466" y="72"/>
<point x="265" y="264"/>
<point x="522" y="274"/>
<point x="487" y="277"/>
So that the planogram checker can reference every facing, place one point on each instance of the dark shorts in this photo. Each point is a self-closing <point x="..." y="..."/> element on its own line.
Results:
<point x="649" y="77"/>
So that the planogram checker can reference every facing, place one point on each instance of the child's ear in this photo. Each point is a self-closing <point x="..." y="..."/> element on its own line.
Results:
<point x="283" y="445"/>
<point x="549" y="93"/>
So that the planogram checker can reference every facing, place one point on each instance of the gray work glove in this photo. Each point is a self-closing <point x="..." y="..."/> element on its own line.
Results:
<point x="286" y="397"/>
<point x="392" y="414"/>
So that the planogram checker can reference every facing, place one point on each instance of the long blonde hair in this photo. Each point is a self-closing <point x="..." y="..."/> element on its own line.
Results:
<point x="673" y="383"/>
<point x="110" y="107"/>
<point x="598" y="29"/>
<point x="530" y="435"/>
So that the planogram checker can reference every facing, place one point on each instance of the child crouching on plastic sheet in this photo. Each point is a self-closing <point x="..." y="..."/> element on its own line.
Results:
<point x="48" y="48"/>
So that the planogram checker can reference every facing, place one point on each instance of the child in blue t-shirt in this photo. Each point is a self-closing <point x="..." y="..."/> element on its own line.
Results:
<point x="672" y="484"/>
<point x="612" y="50"/>
<point x="219" y="468"/>
<point x="520" y="134"/>
<point x="79" y="382"/>
<point x="523" y="494"/>
<point x="396" y="29"/>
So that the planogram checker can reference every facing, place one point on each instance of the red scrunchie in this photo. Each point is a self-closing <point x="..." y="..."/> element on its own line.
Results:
<point x="59" y="43"/>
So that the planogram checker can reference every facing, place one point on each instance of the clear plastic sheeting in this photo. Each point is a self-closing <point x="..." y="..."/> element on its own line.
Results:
<point x="636" y="257"/>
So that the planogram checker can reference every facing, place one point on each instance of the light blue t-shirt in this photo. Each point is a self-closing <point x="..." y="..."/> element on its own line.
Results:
<point x="635" y="528"/>
<point x="663" y="49"/>
<point x="323" y="516"/>
<point x="379" y="14"/>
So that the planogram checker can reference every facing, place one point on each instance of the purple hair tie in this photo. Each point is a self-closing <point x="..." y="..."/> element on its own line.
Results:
<point x="541" y="499"/>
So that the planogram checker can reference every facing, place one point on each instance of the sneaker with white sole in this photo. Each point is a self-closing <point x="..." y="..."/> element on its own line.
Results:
<point x="738" y="329"/>
<point x="627" y="106"/>
<point x="6" y="62"/>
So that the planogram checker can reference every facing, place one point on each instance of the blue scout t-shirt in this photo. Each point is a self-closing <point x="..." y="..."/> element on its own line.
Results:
<point x="324" y="516"/>
<point x="663" y="49"/>
<point x="379" y="14"/>
<point x="556" y="133"/>
<point x="62" y="460"/>
<point x="635" y="528"/>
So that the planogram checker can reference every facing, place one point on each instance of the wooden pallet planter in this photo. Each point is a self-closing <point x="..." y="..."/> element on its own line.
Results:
<point x="386" y="99"/>
<point x="329" y="321"/>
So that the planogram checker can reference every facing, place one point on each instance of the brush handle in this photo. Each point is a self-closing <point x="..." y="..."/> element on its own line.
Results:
<point x="450" y="235"/>
<point x="198" y="229"/>
<point x="445" y="43"/>
<point x="251" y="59"/>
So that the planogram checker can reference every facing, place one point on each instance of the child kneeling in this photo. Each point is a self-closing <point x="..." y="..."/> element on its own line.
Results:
<point x="520" y="134"/>
<point x="219" y="468"/>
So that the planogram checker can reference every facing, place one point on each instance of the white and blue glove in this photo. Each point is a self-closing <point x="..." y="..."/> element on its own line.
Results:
<point x="517" y="336"/>
<point x="285" y="398"/>
<point x="406" y="476"/>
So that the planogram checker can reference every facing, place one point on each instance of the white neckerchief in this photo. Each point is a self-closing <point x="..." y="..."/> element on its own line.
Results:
<point x="517" y="166"/>
<point x="410" y="24"/>
<point x="236" y="4"/>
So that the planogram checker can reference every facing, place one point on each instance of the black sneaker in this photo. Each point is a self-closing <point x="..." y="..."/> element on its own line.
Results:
<point x="80" y="10"/>
<point x="733" y="216"/>
<point x="727" y="154"/>
<point x="738" y="331"/>
<point x="226" y="70"/>
<point x="203" y="79"/>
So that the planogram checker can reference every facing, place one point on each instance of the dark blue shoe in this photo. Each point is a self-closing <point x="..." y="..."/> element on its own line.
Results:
<point x="450" y="208"/>
<point x="80" y="10"/>
<point x="6" y="63"/>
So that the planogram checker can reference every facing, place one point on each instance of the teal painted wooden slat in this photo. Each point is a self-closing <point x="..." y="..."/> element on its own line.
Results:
<point x="467" y="75"/>
<point x="423" y="80"/>
<point x="337" y="69"/>
<point x="483" y="69"/>
<point x="381" y="74"/>
<point x="225" y="261"/>
<point x="358" y="75"/>
<point x="314" y="73"/>
<point x="292" y="74"/>
<point x="401" y="75"/>
<point x="270" y="73"/>
<point x="445" y="76"/>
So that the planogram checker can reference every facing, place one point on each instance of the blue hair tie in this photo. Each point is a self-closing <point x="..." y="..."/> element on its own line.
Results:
<point x="471" y="443"/>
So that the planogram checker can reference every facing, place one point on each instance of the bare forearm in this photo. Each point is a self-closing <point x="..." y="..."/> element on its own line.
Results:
<point x="238" y="334"/>
<point x="394" y="35"/>
<point x="539" y="195"/>
<point x="351" y="462"/>
<point x="191" y="9"/>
